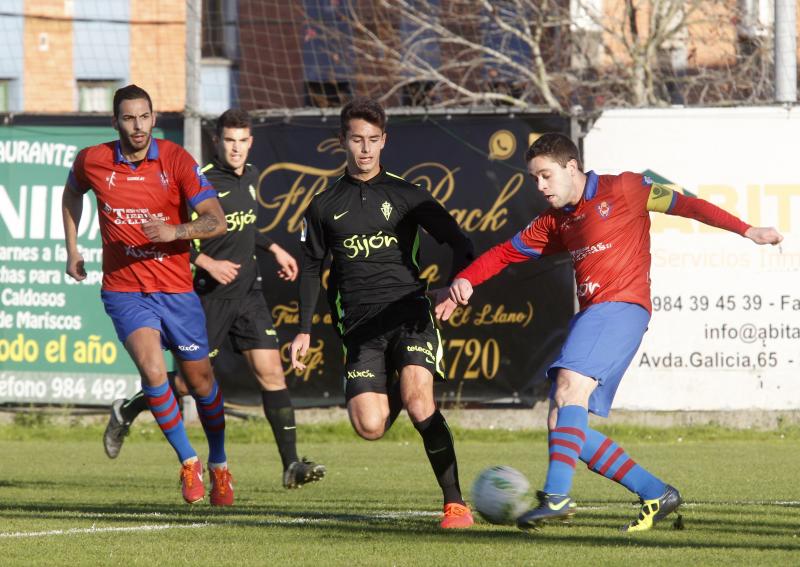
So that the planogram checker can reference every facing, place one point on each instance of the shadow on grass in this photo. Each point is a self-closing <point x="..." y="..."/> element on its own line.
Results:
<point x="401" y="523"/>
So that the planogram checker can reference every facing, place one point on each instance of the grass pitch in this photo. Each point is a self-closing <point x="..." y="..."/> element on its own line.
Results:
<point x="62" y="502"/>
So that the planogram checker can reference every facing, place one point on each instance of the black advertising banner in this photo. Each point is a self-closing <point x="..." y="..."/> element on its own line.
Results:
<point x="497" y="348"/>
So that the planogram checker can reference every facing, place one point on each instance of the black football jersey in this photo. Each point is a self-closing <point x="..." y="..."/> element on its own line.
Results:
<point x="237" y="195"/>
<point x="371" y="230"/>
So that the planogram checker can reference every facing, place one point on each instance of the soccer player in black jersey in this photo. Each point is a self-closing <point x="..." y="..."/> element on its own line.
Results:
<point x="228" y="282"/>
<point x="369" y="221"/>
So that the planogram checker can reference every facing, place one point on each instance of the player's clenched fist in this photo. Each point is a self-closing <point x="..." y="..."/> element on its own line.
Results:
<point x="75" y="267"/>
<point x="156" y="230"/>
<point x="460" y="291"/>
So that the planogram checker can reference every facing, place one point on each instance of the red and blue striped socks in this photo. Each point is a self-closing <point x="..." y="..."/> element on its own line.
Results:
<point x="606" y="458"/>
<point x="565" y="445"/>
<point x="211" y="411"/>
<point x="164" y="407"/>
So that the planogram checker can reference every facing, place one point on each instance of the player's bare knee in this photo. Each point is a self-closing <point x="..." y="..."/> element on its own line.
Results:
<point x="571" y="397"/>
<point x="152" y="373"/>
<point x="418" y="403"/>
<point x="420" y="409"/>
<point x="272" y="379"/>
<point x="199" y="382"/>
<point x="371" y="428"/>
<point x="573" y="389"/>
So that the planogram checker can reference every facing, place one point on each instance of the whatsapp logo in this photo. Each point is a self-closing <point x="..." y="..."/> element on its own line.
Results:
<point x="502" y="145"/>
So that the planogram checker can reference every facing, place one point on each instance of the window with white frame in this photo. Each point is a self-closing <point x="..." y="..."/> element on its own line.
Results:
<point x="96" y="96"/>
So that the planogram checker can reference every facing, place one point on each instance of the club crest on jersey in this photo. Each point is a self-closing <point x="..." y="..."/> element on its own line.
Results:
<point x="604" y="209"/>
<point x="110" y="179"/>
<point x="647" y="181"/>
<point x="164" y="180"/>
<point x="252" y="192"/>
<point x="386" y="209"/>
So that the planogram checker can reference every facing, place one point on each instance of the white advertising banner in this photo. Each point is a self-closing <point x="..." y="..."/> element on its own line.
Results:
<point x="725" y="332"/>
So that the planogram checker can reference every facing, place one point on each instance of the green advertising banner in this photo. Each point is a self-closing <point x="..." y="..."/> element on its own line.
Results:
<point x="56" y="343"/>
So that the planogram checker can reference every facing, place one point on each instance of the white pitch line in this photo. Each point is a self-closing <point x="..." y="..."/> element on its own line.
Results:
<point x="94" y="530"/>
<point x="702" y="503"/>
<point x="406" y="514"/>
<point x="158" y="527"/>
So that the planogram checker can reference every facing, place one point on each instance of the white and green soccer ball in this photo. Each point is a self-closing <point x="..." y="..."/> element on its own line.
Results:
<point x="500" y="494"/>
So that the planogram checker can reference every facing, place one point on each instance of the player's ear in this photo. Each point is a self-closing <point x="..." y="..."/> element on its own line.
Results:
<point x="115" y="123"/>
<point x="154" y="118"/>
<point x="572" y="165"/>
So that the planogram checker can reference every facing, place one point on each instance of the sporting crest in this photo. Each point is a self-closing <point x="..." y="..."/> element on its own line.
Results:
<point x="386" y="209"/>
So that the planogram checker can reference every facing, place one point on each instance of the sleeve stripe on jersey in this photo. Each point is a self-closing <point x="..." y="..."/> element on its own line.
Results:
<point x="673" y="201"/>
<point x="520" y="246"/>
<point x="202" y="196"/>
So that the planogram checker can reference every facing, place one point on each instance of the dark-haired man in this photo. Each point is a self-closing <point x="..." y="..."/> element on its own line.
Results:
<point x="369" y="221"/>
<point x="229" y="285"/>
<point x="603" y="222"/>
<point x="143" y="188"/>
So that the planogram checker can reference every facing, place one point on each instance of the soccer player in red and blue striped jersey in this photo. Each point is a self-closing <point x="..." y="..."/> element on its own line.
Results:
<point x="603" y="222"/>
<point x="143" y="187"/>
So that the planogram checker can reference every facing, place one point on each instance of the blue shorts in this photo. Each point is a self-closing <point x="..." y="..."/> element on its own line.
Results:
<point x="178" y="317"/>
<point x="601" y="343"/>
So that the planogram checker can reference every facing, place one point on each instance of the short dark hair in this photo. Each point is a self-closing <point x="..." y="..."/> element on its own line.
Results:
<point x="556" y="146"/>
<point x="367" y="109"/>
<point x="234" y="118"/>
<point x="130" y="92"/>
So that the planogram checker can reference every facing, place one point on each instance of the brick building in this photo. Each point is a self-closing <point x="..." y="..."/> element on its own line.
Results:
<point x="65" y="56"/>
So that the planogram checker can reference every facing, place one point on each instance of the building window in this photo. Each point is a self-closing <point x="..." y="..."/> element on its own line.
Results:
<point x="220" y="29"/>
<point x="96" y="96"/>
<point x="327" y="54"/>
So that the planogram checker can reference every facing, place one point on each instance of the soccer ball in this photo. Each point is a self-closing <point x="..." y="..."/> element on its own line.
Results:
<point x="500" y="494"/>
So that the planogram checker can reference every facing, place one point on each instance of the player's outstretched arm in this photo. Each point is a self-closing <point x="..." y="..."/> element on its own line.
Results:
<point x="299" y="349"/>
<point x="764" y="235"/>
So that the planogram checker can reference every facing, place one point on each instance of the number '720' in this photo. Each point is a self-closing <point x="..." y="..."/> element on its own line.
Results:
<point x="482" y="359"/>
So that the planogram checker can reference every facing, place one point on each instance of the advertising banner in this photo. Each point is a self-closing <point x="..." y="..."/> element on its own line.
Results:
<point x="725" y="329"/>
<point x="497" y="348"/>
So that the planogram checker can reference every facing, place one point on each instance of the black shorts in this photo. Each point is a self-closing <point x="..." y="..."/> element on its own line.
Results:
<point x="387" y="339"/>
<point x="247" y="321"/>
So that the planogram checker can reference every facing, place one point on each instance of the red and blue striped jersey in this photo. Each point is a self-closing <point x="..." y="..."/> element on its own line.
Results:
<point x="607" y="233"/>
<point x="161" y="185"/>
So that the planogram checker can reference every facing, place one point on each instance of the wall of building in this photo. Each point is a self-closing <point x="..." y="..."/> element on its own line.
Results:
<point x="51" y="45"/>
